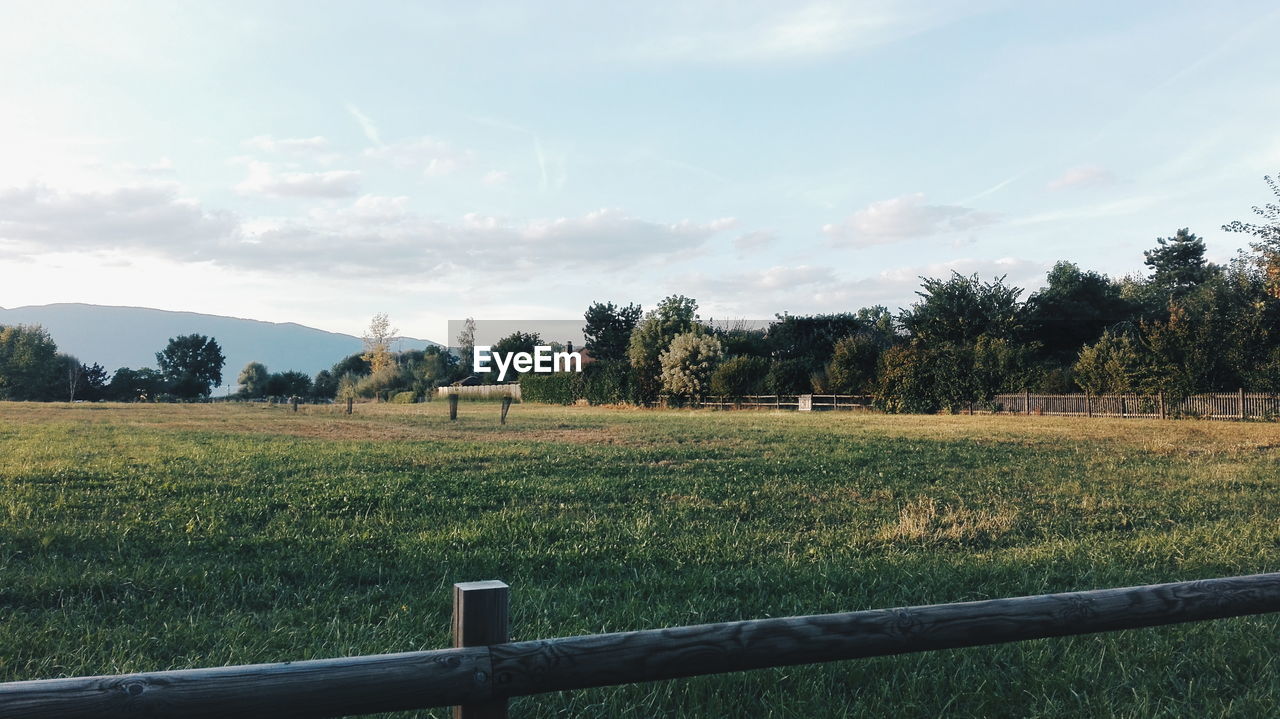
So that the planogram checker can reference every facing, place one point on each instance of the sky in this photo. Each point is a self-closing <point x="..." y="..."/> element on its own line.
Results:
<point x="321" y="162"/>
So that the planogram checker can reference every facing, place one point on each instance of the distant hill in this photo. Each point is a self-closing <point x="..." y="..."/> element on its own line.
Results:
<point x="117" y="337"/>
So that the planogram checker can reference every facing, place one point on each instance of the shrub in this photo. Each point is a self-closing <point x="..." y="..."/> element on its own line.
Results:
<point x="555" y="388"/>
<point x="607" y="382"/>
<point x="404" y="398"/>
<point x="788" y="377"/>
<point x="740" y="376"/>
<point x="688" y="363"/>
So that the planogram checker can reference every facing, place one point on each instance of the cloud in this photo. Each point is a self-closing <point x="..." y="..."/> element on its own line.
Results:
<point x="496" y="177"/>
<point x="267" y="143"/>
<point x="1082" y="177"/>
<point x="263" y="180"/>
<point x="366" y="125"/>
<point x="434" y="157"/>
<point x="810" y="289"/>
<point x="904" y="218"/>
<point x="37" y="219"/>
<point x="752" y="241"/>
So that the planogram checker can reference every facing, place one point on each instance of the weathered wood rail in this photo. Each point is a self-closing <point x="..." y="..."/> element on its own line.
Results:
<point x="481" y="678"/>
<point x="1236" y="405"/>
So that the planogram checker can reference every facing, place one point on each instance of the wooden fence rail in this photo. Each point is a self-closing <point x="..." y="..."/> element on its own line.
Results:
<point x="481" y="677"/>
<point x="1210" y="405"/>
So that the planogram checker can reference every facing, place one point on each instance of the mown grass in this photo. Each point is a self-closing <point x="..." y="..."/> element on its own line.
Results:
<point x="140" y="538"/>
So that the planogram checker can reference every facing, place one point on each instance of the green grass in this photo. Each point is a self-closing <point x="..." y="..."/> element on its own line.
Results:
<point x="138" y="538"/>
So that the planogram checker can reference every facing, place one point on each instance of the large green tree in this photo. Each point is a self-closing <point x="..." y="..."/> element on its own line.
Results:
<point x="253" y="380"/>
<point x="1072" y="310"/>
<point x="29" y="365"/>
<point x="608" y="329"/>
<point x="191" y="365"/>
<point x="1177" y="263"/>
<point x="673" y="316"/>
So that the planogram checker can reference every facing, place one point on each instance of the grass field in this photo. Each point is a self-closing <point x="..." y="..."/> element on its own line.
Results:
<point x="153" y="537"/>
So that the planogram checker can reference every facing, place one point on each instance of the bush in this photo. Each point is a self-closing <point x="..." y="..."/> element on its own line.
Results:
<point x="556" y="388"/>
<point x="688" y="363"/>
<point x="607" y="382"/>
<point x="788" y="377"/>
<point x="740" y="376"/>
<point x="404" y="398"/>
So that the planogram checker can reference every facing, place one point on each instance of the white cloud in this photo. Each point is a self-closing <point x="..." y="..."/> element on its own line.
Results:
<point x="1081" y="177"/>
<point x="496" y="177"/>
<point x="433" y="157"/>
<point x="267" y="143"/>
<point x="263" y="180"/>
<point x="37" y="219"/>
<point x="904" y="218"/>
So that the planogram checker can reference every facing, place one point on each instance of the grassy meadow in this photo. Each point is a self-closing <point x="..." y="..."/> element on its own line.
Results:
<point x="147" y="537"/>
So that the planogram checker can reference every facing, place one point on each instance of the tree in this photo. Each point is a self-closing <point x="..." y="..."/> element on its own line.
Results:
<point x="608" y="329"/>
<point x="377" y="343"/>
<point x="93" y="382"/>
<point x="853" y="364"/>
<point x="1177" y="263"/>
<point x="290" y="383"/>
<point x="325" y="385"/>
<point x="1112" y="364"/>
<point x="790" y="376"/>
<point x="130" y="385"/>
<point x="253" y="380"/>
<point x="1268" y="234"/>
<point x="810" y="338"/>
<point x="467" y="341"/>
<point x="354" y="364"/>
<point x="191" y="365"/>
<point x="1072" y="310"/>
<point x="673" y="316"/>
<point x="688" y="363"/>
<point x="961" y="308"/>
<point x="739" y="376"/>
<point x="29" y="366"/>
<point x="72" y="372"/>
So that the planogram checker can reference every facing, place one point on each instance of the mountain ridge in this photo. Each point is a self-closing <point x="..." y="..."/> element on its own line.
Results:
<point x="117" y="336"/>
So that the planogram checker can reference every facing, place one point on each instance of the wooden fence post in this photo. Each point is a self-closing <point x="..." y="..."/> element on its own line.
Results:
<point x="480" y="619"/>
<point x="1160" y="400"/>
<point x="506" y="406"/>
<point x="1240" y="394"/>
<point x="294" y="401"/>
<point x="349" y="401"/>
<point x="1124" y="407"/>
<point x="1088" y="404"/>
<point x="1026" y="401"/>
<point x="453" y="407"/>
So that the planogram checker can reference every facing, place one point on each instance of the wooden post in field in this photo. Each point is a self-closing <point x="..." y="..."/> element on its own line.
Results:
<point x="294" y="401"/>
<point x="1026" y="400"/>
<point x="349" y="402"/>
<point x="1240" y="394"/>
<point x="453" y="407"/>
<point x="506" y="406"/>
<point x="480" y="619"/>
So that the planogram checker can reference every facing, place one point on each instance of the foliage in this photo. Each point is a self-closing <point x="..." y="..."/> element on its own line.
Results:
<point x="551" y="388"/>
<point x="377" y="343"/>
<point x="852" y="368"/>
<point x="608" y="329"/>
<point x="791" y="376"/>
<point x="253" y="380"/>
<point x="135" y="385"/>
<point x="960" y="309"/>
<point x="810" y="338"/>
<point x="740" y="376"/>
<point x="325" y="385"/>
<point x="687" y="365"/>
<point x="1113" y="364"/>
<point x="1177" y="263"/>
<point x="29" y="369"/>
<point x="1072" y="310"/>
<point x="1268" y="245"/>
<point x="191" y="365"/>
<point x="408" y="397"/>
<point x="354" y="364"/>
<point x="288" y="384"/>
<point x="606" y="382"/>
<point x="673" y="316"/>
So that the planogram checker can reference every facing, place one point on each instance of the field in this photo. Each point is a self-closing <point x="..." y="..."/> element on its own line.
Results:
<point x="152" y="537"/>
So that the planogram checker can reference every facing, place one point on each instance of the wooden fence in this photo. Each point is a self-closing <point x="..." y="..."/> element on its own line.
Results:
<point x="485" y="668"/>
<point x="791" y="401"/>
<point x="1215" y="405"/>
<point x="482" y="391"/>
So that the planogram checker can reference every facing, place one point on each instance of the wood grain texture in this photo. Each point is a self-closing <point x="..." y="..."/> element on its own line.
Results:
<point x="604" y="659"/>
<point x="480" y="618"/>
<point x="322" y="688"/>
<point x="336" y="687"/>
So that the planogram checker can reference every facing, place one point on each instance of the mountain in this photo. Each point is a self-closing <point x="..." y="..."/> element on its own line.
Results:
<point x="117" y="337"/>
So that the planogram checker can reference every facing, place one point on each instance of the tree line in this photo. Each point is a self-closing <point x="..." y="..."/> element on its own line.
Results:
<point x="1185" y="326"/>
